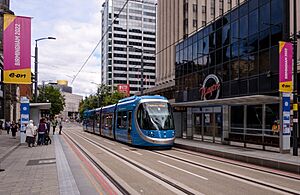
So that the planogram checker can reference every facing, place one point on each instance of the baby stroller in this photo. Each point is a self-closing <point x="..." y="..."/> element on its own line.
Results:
<point x="47" y="138"/>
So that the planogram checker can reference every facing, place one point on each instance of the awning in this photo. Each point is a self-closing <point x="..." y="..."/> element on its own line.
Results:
<point x="41" y="106"/>
<point x="244" y="100"/>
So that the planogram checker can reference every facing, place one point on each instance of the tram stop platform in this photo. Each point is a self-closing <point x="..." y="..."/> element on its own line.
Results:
<point x="48" y="169"/>
<point x="56" y="169"/>
<point x="255" y="156"/>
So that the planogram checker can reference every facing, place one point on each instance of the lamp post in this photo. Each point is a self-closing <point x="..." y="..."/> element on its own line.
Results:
<point x="142" y="66"/>
<point x="36" y="65"/>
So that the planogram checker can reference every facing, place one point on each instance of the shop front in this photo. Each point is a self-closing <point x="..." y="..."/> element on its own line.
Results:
<point x="227" y="76"/>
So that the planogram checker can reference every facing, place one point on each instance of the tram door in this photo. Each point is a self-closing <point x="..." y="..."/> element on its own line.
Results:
<point x="208" y="125"/>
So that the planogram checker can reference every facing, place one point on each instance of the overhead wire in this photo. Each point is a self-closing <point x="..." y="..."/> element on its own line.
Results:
<point x="110" y="25"/>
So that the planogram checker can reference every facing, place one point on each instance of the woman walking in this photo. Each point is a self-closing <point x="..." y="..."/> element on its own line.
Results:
<point x="30" y="133"/>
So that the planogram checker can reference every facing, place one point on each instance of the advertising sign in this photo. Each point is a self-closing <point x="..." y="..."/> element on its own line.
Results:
<point x="285" y="66"/>
<point x="16" y="49"/>
<point x="24" y="113"/>
<point x="286" y="107"/>
<point x="124" y="88"/>
<point x="210" y="89"/>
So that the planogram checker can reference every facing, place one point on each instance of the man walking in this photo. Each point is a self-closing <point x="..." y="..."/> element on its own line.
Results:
<point x="60" y="125"/>
<point x="54" y="124"/>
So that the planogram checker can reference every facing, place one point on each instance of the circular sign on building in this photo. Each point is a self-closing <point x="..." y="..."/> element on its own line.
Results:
<point x="210" y="89"/>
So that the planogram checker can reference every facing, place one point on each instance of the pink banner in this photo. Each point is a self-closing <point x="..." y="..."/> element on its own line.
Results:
<point x="17" y="49"/>
<point x="285" y="66"/>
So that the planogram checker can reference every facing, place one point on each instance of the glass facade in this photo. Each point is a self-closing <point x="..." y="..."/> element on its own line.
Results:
<point x="240" y="48"/>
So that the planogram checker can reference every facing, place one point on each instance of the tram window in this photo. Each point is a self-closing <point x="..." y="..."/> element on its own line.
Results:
<point x="122" y="120"/>
<point x="107" y="121"/>
<point x="155" y="116"/>
<point x="129" y="120"/>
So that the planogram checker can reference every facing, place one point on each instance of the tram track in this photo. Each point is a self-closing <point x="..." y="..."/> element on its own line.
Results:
<point x="234" y="175"/>
<point x="248" y="179"/>
<point x="179" y="187"/>
<point x="98" y="166"/>
<point x="239" y="164"/>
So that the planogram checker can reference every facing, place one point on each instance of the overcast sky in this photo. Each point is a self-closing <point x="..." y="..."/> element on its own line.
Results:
<point x="76" y="24"/>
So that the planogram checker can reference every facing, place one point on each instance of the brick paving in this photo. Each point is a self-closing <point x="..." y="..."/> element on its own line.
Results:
<point x="21" y="177"/>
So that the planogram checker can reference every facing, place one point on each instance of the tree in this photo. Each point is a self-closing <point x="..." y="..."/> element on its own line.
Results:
<point x="52" y="95"/>
<point x="103" y="98"/>
<point x="113" y="98"/>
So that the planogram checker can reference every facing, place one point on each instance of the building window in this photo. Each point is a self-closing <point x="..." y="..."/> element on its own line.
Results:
<point x="194" y="23"/>
<point x="203" y="9"/>
<point x="195" y="9"/>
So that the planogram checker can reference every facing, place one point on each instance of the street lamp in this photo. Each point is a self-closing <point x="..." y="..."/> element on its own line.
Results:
<point x="36" y="65"/>
<point x="142" y="66"/>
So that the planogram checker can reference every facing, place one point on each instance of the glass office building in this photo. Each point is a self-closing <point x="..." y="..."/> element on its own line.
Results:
<point x="227" y="74"/>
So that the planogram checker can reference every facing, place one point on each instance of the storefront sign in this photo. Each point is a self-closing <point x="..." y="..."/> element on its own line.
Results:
<point x="124" y="88"/>
<point x="285" y="66"/>
<point x="286" y="112"/>
<point x="16" y="49"/>
<point x="211" y="88"/>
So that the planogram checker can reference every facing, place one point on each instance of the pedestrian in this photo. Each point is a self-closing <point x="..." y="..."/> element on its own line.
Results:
<point x="14" y="129"/>
<point x="7" y="126"/>
<point x="48" y="123"/>
<point x="41" y="132"/>
<point x="1" y="127"/>
<point x="60" y="125"/>
<point x="30" y="133"/>
<point x="54" y="124"/>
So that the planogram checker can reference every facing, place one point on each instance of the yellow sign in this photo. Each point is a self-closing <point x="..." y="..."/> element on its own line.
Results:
<point x="295" y="107"/>
<point x="22" y="76"/>
<point x="286" y="86"/>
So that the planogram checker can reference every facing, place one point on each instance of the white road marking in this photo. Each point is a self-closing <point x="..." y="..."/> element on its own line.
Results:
<point x="168" y="186"/>
<point x="182" y="170"/>
<point x="109" y="142"/>
<point x="127" y="149"/>
<point x="137" y="153"/>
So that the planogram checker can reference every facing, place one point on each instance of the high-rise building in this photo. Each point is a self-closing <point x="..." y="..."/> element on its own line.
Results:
<point x="176" y="20"/>
<point x="126" y="40"/>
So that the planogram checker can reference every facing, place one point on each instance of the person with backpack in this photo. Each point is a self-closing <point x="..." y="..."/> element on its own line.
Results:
<point x="41" y="132"/>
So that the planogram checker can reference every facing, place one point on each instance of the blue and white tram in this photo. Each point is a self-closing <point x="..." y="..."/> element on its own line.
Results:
<point x="137" y="120"/>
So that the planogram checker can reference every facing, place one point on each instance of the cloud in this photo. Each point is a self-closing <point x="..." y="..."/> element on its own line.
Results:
<point x="76" y="24"/>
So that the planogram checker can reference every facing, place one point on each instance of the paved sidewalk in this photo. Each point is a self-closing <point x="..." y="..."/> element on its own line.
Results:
<point x="48" y="169"/>
<point x="28" y="170"/>
<point x="286" y="162"/>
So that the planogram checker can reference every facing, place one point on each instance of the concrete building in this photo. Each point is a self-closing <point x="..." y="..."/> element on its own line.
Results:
<point x="71" y="108"/>
<point x="8" y="92"/>
<point x="72" y="101"/>
<point x="134" y="26"/>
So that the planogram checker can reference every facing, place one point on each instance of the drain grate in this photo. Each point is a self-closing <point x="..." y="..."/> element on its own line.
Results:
<point x="45" y="161"/>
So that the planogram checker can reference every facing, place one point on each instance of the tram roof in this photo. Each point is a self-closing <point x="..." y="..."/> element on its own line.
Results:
<point x="245" y="100"/>
<point x="141" y="97"/>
